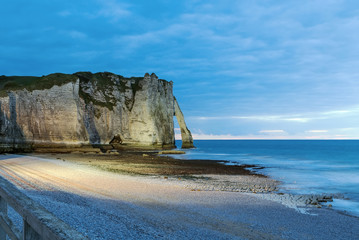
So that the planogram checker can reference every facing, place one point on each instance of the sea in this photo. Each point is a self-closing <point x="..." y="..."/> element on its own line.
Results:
<point x="303" y="166"/>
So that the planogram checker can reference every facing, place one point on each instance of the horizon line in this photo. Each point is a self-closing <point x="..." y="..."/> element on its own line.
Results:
<point x="276" y="139"/>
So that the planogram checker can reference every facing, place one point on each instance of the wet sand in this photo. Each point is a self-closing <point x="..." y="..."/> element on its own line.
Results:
<point x="150" y="163"/>
<point x="199" y="174"/>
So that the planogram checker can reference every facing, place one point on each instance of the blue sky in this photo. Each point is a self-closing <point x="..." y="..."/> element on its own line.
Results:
<point x="241" y="69"/>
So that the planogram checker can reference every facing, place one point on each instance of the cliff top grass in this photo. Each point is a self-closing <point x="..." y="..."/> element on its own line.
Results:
<point x="31" y="83"/>
<point x="13" y="83"/>
<point x="103" y="82"/>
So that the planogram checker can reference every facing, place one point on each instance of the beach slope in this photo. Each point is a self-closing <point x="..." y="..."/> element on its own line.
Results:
<point x="108" y="205"/>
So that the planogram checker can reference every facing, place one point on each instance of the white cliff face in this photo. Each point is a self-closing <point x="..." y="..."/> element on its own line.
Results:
<point x="41" y="116"/>
<point x="151" y="118"/>
<point x="96" y="109"/>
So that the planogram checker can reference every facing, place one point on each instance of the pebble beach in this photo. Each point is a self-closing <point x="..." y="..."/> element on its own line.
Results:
<point x="103" y="196"/>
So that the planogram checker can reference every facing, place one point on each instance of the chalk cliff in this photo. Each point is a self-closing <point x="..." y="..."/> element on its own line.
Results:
<point x="187" y="140"/>
<point x="86" y="108"/>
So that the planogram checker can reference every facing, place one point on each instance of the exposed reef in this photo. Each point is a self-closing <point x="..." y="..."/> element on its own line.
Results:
<point x="88" y="109"/>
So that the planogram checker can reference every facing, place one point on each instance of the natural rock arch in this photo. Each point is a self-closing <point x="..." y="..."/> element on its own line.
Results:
<point x="187" y="140"/>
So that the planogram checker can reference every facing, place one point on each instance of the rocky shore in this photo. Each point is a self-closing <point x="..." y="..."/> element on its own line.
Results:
<point x="196" y="175"/>
<point x="141" y="195"/>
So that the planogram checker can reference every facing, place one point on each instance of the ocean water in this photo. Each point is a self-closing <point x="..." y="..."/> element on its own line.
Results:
<point x="304" y="166"/>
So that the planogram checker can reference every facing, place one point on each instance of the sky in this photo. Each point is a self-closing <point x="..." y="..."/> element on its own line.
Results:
<point x="250" y="69"/>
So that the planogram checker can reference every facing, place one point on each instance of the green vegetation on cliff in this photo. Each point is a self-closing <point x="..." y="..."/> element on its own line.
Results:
<point x="102" y="82"/>
<point x="105" y="83"/>
<point x="13" y="83"/>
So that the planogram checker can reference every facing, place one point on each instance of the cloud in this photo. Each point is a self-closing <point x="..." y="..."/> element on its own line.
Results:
<point x="64" y="13"/>
<point x="301" y="118"/>
<point x="88" y="55"/>
<point x="266" y="65"/>
<point x="198" y="134"/>
<point x="135" y="41"/>
<point x="257" y="118"/>
<point x="341" y="136"/>
<point x="272" y="131"/>
<point x="194" y="34"/>
<point x="76" y="34"/>
<point x="264" y="135"/>
<point x="113" y="10"/>
<point x="341" y="112"/>
<point x="213" y="137"/>
<point x="347" y="129"/>
<point x="317" y="131"/>
<point x="230" y="137"/>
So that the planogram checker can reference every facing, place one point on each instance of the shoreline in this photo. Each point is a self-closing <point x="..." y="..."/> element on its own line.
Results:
<point x="203" y="175"/>
<point x="105" y="204"/>
<point x="198" y="175"/>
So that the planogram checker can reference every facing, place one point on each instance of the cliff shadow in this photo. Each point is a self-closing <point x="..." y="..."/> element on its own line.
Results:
<point x="89" y="123"/>
<point x="12" y="137"/>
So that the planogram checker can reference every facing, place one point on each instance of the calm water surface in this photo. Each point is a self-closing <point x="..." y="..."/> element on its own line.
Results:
<point x="304" y="166"/>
